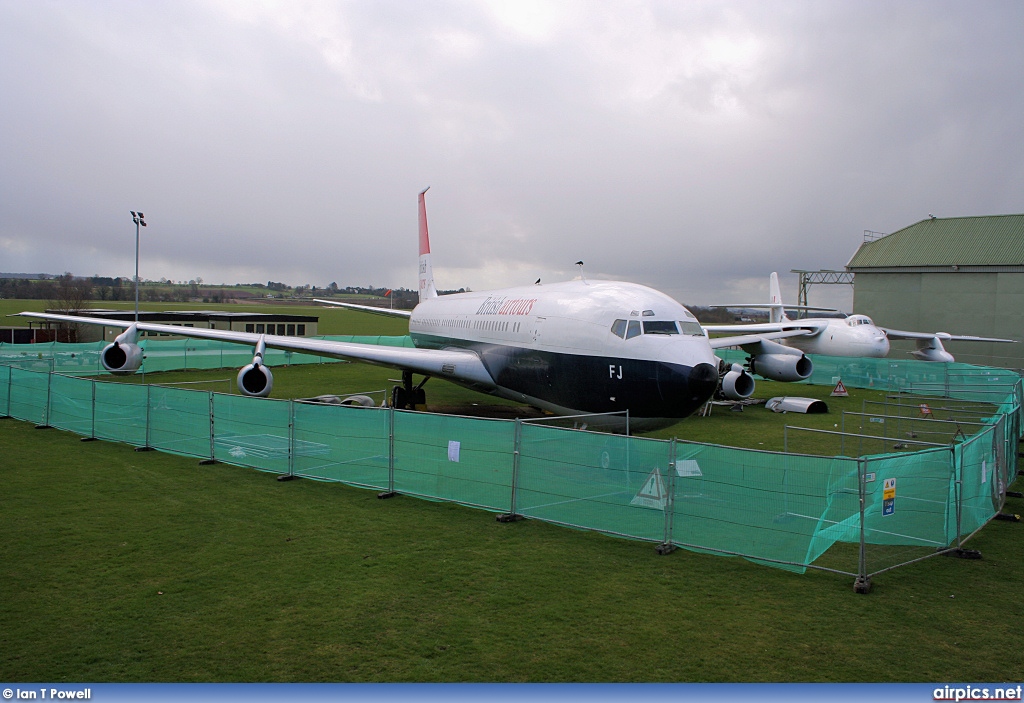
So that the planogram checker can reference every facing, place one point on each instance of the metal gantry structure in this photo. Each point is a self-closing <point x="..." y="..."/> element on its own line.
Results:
<point x="822" y="277"/>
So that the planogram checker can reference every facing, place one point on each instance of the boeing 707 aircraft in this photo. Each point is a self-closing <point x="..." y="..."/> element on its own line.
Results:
<point x="568" y="348"/>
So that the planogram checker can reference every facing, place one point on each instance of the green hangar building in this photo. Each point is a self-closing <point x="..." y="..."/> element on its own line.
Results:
<point x="962" y="275"/>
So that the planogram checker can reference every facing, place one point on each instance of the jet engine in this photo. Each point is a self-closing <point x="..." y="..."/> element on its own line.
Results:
<point x="931" y="349"/>
<point x="123" y="356"/>
<point x="782" y="367"/>
<point x="735" y="382"/>
<point x="255" y="379"/>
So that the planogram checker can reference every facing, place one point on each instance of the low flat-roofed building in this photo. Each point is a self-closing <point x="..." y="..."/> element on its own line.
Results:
<point x="259" y="323"/>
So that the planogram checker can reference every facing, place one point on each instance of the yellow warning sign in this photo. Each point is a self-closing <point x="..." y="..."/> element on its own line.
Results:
<point x="653" y="493"/>
<point x="840" y="390"/>
<point x="889" y="489"/>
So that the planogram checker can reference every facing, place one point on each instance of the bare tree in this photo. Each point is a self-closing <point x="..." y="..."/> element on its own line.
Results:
<point x="70" y="297"/>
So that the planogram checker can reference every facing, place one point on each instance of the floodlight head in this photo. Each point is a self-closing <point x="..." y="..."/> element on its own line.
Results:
<point x="133" y="213"/>
<point x="142" y="222"/>
<point x="141" y="215"/>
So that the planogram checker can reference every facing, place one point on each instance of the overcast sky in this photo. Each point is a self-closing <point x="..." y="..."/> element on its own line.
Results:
<point x="690" y="146"/>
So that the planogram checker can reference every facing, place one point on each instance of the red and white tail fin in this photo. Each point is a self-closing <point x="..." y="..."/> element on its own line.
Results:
<point x="427" y="289"/>
<point x="777" y="311"/>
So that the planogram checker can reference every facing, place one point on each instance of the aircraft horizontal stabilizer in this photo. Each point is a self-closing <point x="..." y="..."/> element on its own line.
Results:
<point x="387" y="312"/>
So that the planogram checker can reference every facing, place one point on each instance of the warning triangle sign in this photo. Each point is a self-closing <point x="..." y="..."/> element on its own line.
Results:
<point x="840" y="390"/>
<point x="653" y="494"/>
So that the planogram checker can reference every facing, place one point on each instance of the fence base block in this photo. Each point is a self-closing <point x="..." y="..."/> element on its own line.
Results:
<point x="665" y="548"/>
<point x="963" y="553"/>
<point x="145" y="449"/>
<point x="1014" y="494"/>
<point x="387" y="494"/>
<point x="43" y="427"/>
<point x="1009" y="517"/>
<point x="287" y="477"/>
<point x="88" y="439"/>
<point x="510" y="517"/>
<point x="862" y="584"/>
<point x="207" y="462"/>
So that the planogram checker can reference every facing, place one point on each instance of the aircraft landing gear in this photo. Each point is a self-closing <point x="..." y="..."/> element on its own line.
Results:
<point x="407" y="396"/>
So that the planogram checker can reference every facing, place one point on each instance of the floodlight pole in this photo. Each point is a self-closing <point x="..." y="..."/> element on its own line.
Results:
<point x="137" y="219"/>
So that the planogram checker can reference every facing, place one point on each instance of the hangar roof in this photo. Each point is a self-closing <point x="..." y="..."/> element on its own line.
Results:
<point x="993" y="240"/>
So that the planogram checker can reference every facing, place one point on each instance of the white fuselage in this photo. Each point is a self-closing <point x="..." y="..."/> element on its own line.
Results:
<point x="598" y="346"/>
<point x="855" y="335"/>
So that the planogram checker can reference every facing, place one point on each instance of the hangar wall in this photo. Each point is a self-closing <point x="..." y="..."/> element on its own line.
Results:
<point x="983" y="304"/>
<point x="962" y="275"/>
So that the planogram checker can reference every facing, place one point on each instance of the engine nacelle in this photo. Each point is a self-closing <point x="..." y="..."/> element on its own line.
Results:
<point x="255" y="379"/>
<point x="932" y="350"/>
<point x="736" y="384"/>
<point x="123" y="356"/>
<point x="782" y="367"/>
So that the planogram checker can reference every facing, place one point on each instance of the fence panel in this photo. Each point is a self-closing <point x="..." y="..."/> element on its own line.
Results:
<point x="762" y="505"/>
<point x="340" y="443"/>
<point x="28" y="394"/>
<point x="458" y="459"/>
<point x="179" y="421"/>
<point x="71" y="406"/>
<point x="610" y="483"/>
<point x="252" y="432"/>
<point x="121" y="412"/>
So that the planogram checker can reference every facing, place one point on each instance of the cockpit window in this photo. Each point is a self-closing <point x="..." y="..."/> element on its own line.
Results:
<point x="660" y="327"/>
<point x="691" y="327"/>
<point x="619" y="328"/>
<point x="854" y="320"/>
<point x="633" y="330"/>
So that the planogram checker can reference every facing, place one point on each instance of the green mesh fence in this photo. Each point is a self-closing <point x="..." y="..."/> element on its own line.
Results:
<point x="853" y="515"/>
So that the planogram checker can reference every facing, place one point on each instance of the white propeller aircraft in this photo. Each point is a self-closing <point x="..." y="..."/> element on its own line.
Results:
<point x="840" y="335"/>
<point x="568" y="348"/>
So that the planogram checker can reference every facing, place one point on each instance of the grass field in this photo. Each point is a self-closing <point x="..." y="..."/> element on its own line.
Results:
<point x="125" y="566"/>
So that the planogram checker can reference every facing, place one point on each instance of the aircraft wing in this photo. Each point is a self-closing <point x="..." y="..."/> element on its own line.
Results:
<point x="456" y="364"/>
<point x="387" y="312"/>
<point x="944" y="336"/>
<point x="755" y="343"/>
<point x="805" y="327"/>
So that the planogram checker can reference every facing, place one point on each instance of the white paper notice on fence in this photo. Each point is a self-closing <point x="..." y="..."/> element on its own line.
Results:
<point x="688" y="467"/>
<point x="453" y="450"/>
<point x="984" y="470"/>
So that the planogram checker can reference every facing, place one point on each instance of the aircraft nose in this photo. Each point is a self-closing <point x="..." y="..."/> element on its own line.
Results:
<point x="703" y="382"/>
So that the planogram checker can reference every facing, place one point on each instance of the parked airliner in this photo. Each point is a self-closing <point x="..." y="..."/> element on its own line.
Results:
<point x="573" y="347"/>
<point x="840" y="335"/>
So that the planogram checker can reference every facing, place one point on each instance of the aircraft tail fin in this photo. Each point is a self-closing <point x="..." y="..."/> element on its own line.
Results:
<point x="427" y="289"/>
<point x="778" y="312"/>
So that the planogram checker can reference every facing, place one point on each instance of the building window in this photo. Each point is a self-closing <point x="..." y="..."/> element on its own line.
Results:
<point x="302" y="330"/>
<point x="259" y="329"/>
<point x="280" y="329"/>
<point x="249" y="327"/>
<point x="291" y="330"/>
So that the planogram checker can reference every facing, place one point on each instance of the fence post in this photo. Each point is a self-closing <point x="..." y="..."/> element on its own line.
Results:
<point x="92" y="426"/>
<point x="862" y="584"/>
<point x="666" y="546"/>
<point x="390" y="492"/>
<point x="212" y="459"/>
<point x="291" y="444"/>
<point x="46" y="410"/>
<point x="10" y="380"/>
<point x="517" y="445"/>
<point x="149" y="392"/>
